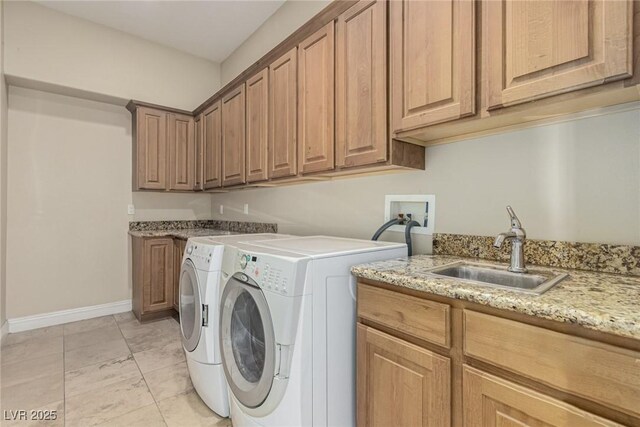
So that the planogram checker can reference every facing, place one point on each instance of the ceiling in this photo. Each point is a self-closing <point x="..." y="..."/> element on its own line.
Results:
<point x="211" y="29"/>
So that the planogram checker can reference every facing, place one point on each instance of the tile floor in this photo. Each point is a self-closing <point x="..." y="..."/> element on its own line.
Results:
<point x="108" y="371"/>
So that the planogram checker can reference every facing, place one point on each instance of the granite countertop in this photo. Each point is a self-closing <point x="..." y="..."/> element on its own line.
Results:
<point x="184" y="233"/>
<point x="600" y="301"/>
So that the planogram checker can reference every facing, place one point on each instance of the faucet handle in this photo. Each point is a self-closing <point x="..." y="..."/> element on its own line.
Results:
<point x="515" y="222"/>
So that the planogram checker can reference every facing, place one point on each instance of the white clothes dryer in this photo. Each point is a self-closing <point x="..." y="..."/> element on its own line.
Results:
<point x="288" y="326"/>
<point x="199" y="293"/>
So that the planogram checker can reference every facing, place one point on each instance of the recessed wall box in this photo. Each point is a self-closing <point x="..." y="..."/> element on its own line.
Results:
<point x="421" y="208"/>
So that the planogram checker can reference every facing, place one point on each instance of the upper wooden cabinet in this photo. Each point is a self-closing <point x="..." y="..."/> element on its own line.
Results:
<point x="164" y="156"/>
<point x="199" y="149"/>
<point x="316" y="101"/>
<point x="432" y="61"/>
<point x="212" y="146"/>
<point x="233" y="137"/>
<point x="361" y="85"/>
<point x="534" y="49"/>
<point x="396" y="75"/>
<point x="400" y="384"/>
<point x="283" y="110"/>
<point x="257" y="126"/>
<point x="182" y="155"/>
<point x="149" y="149"/>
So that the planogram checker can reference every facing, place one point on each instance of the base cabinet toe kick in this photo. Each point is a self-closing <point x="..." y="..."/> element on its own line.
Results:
<point x="426" y="360"/>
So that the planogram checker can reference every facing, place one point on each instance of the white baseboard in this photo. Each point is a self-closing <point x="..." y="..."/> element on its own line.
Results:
<point x="4" y="330"/>
<point x="20" y="324"/>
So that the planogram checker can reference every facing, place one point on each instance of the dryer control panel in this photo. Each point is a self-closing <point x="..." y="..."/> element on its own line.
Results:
<point x="205" y="257"/>
<point x="270" y="273"/>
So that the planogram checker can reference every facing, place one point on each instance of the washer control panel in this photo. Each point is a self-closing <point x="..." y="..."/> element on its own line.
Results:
<point x="269" y="273"/>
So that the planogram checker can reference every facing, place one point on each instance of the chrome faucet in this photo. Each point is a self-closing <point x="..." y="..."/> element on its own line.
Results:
<point x="517" y="235"/>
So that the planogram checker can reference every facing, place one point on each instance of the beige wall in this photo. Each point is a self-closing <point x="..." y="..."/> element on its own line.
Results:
<point x="3" y="176"/>
<point x="576" y="181"/>
<point x="69" y="187"/>
<point x="70" y="170"/>
<point x="288" y="18"/>
<point x="50" y="50"/>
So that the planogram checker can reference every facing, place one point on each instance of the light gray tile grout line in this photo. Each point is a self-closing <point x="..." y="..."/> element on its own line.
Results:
<point x="140" y="370"/>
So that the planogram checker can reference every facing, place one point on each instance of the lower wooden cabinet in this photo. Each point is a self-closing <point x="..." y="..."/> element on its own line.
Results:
<point x="153" y="277"/>
<point x="596" y="371"/>
<point x="156" y="276"/>
<point x="490" y="401"/>
<point x="400" y="384"/>
<point x="490" y="371"/>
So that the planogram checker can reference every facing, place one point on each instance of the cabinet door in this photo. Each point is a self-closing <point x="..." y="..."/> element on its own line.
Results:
<point x="283" y="107"/>
<point x="490" y="401"/>
<point x="199" y="153"/>
<point x="233" y="137"/>
<point x="157" y="289"/>
<point x="361" y="84"/>
<point x="432" y="61"/>
<point x="212" y="145"/>
<point x="181" y="152"/>
<point x="316" y="101"/>
<point x="400" y="384"/>
<point x="257" y="124"/>
<point x="534" y="49"/>
<point x="151" y="149"/>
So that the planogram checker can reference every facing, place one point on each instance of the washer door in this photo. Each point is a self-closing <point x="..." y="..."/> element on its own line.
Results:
<point x="190" y="306"/>
<point x="247" y="341"/>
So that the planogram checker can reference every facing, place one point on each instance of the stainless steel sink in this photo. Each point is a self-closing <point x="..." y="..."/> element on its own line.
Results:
<point x="533" y="283"/>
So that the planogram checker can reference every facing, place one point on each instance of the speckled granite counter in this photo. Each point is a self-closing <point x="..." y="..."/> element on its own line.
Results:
<point x="183" y="234"/>
<point x="186" y="229"/>
<point x="600" y="301"/>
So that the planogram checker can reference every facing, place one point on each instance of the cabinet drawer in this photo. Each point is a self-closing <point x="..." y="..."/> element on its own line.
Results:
<point x="592" y="370"/>
<point x="491" y="401"/>
<point x="420" y="318"/>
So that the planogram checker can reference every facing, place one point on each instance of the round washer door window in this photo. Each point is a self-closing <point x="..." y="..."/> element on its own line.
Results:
<point x="248" y="342"/>
<point x="190" y="306"/>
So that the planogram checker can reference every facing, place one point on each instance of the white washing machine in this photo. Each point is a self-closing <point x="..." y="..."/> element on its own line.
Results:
<point x="200" y="291"/>
<point x="288" y="329"/>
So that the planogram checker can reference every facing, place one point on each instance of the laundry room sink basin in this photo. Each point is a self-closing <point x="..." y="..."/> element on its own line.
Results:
<point x="535" y="283"/>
